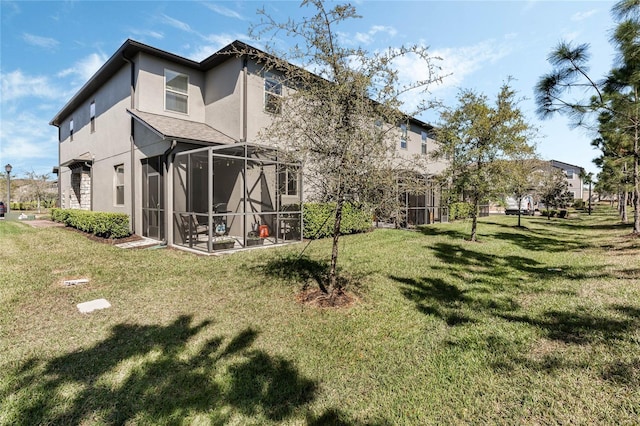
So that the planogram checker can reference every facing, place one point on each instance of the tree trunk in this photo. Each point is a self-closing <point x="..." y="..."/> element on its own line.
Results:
<point x="622" y="204"/>
<point x="519" y="209"/>
<point x="474" y="219"/>
<point x="636" y="184"/>
<point x="334" y="286"/>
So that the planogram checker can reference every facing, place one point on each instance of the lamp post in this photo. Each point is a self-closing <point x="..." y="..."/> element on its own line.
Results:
<point x="8" y="168"/>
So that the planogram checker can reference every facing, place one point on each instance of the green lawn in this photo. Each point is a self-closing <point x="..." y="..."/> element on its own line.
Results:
<point x="539" y="325"/>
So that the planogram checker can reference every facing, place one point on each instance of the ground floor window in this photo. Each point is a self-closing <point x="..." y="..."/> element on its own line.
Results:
<point x="119" y="185"/>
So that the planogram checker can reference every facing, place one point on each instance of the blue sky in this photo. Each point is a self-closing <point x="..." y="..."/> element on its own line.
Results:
<point x="49" y="49"/>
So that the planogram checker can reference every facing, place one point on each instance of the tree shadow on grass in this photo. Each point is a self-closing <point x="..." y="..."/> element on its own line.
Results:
<point x="433" y="231"/>
<point x="578" y="327"/>
<point x="433" y="296"/>
<point x="533" y="242"/>
<point x="300" y="269"/>
<point x="501" y="269"/>
<point x="153" y="374"/>
<point x="304" y="270"/>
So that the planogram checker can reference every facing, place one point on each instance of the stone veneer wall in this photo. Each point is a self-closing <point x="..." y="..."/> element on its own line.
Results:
<point x="80" y="197"/>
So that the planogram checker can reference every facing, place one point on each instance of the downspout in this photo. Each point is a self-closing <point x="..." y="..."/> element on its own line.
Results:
<point x="93" y="158"/>
<point x="244" y="98"/>
<point x="168" y="191"/>
<point x="132" y="92"/>
<point x="59" y="173"/>
<point x="244" y="139"/>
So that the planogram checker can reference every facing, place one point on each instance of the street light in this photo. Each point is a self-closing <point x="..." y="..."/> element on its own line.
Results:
<point x="8" y="168"/>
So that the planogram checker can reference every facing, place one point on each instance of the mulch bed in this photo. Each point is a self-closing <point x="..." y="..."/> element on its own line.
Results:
<point x="110" y="241"/>
<point x="316" y="297"/>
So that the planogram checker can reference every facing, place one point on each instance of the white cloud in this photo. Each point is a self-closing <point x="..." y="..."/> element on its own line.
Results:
<point x="85" y="68"/>
<point x="581" y="16"/>
<point x="214" y="42"/>
<point x="16" y="85"/>
<point x="224" y="11"/>
<point x="530" y="4"/>
<point x="571" y="36"/>
<point x="463" y="61"/>
<point x="147" y="33"/>
<point x="46" y="42"/>
<point x="368" y="37"/>
<point x="456" y="65"/>
<point x="28" y="142"/>
<point x="176" y="23"/>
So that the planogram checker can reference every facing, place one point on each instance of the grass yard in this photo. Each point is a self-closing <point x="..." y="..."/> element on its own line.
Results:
<point x="538" y="325"/>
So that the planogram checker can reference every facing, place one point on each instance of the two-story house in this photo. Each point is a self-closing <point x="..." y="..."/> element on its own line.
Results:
<point x="574" y="176"/>
<point x="173" y="143"/>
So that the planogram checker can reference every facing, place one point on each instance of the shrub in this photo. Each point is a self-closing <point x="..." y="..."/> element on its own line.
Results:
<point x="578" y="204"/>
<point x="460" y="210"/>
<point x="102" y="224"/>
<point x="319" y="219"/>
<point x="550" y="213"/>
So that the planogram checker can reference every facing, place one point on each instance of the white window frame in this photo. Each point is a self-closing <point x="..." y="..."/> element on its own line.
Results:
<point x="71" y="130"/>
<point x="289" y="175"/>
<point x="118" y="171"/>
<point x="176" y="92"/>
<point x="423" y="135"/>
<point x="569" y="173"/>
<point x="277" y="94"/>
<point x="404" y="136"/>
<point x="92" y="115"/>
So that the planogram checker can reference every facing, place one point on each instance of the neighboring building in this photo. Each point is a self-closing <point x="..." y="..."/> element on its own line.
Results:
<point x="574" y="175"/>
<point x="173" y="143"/>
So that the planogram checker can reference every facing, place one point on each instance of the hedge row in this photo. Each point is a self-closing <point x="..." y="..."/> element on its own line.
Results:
<point x="460" y="210"/>
<point x="106" y="225"/>
<point x="31" y="205"/>
<point x="319" y="219"/>
<point x="553" y="213"/>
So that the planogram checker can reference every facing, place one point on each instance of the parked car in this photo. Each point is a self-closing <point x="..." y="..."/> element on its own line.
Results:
<point x="526" y="207"/>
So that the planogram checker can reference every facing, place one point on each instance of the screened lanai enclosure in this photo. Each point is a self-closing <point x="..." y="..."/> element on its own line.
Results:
<point x="233" y="196"/>
<point x="420" y="201"/>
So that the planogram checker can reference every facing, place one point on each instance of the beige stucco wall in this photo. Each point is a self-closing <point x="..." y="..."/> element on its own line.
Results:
<point x="151" y="88"/>
<point x="108" y="144"/>
<point x="223" y="98"/>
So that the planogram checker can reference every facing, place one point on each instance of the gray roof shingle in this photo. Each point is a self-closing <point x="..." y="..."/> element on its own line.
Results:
<point x="184" y="130"/>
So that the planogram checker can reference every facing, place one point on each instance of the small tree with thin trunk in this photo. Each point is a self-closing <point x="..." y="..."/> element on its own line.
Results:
<point x="522" y="177"/>
<point x="479" y="137"/>
<point x="38" y="188"/>
<point x="341" y="120"/>
<point x="553" y="189"/>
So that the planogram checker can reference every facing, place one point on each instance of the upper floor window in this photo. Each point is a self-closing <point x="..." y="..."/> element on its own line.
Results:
<point x="71" y="129"/>
<point x="272" y="94"/>
<point x="569" y="173"/>
<point x="119" y="185"/>
<point x="424" y="142"/>
<point x="92" y="116"/>
<point x="403" y="136"/>
<point x="176" y="91"/>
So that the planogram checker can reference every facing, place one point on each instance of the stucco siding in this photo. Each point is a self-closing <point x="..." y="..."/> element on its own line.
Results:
<point x="258" y="117"/>
<point x="151" y="88"/>
<point x="223" y="98"/>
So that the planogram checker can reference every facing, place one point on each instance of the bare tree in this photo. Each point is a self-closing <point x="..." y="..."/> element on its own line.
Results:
<point x="38" y="188"/>
<point x="341" y="120"/>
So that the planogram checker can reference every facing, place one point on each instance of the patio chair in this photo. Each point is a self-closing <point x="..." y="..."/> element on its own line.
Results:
<point x="192" y="228"/>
